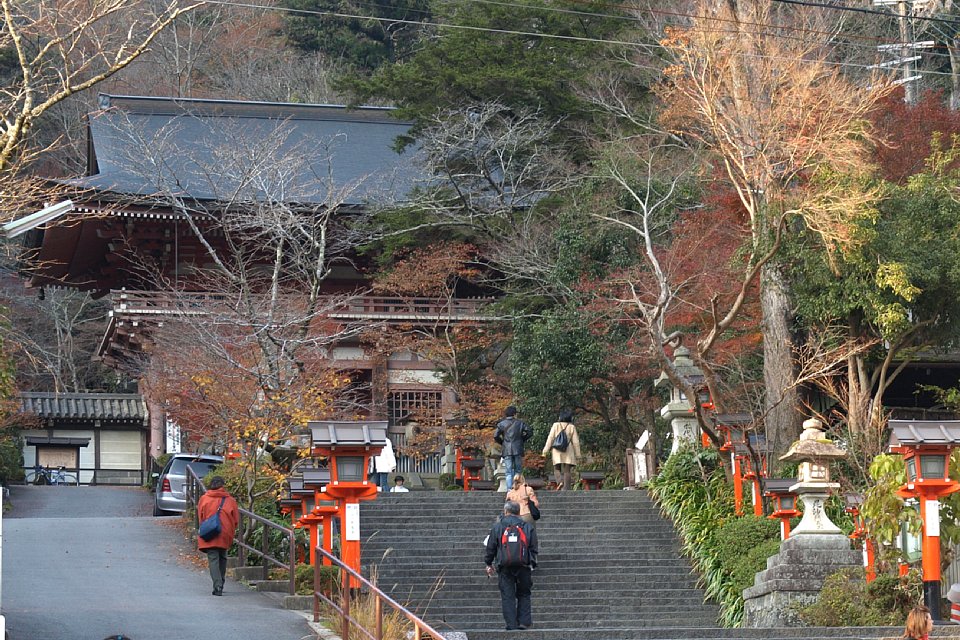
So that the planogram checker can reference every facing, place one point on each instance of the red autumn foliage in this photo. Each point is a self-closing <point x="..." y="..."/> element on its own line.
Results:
<point x="430" y="271"/>
<point x="907" y="131"/>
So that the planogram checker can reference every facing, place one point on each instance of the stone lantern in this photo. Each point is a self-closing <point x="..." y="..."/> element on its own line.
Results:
<point x="679" y="410"/>
<point x="814" y="451"/>
<point x="814" y="550"/>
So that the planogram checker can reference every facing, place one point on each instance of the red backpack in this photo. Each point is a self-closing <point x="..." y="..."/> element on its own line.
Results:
<point x="514" y="550"/>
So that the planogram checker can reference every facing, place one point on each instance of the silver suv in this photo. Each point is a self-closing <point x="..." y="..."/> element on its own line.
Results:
<point x="170" y="495"/>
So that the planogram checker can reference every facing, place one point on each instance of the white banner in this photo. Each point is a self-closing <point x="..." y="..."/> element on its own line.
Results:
<point x="352" y="519"/>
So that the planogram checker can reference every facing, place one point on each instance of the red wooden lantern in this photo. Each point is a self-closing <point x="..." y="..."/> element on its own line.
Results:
<point x="732" y="426"/>
<point x="349" y="445"/>
<point x="853" y="502"/>
<point x="925" y="446"/>
<point x="784" y="503"/>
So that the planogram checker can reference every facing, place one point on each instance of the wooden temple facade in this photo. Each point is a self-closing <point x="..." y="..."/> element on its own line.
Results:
<point x="115" y="224"/>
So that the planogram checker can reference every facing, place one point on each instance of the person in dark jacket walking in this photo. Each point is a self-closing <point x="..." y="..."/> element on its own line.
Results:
<point x="511" y="433"/>
<point x="515" y="582"/>
<point x="216" y="548"/>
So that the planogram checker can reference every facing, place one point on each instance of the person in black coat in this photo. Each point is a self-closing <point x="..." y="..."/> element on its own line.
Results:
<point x="511" y="433"/>
<point x="515" y="581"/>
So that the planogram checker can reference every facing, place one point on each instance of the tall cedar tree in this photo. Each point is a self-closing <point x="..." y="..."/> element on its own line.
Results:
<point x="462" y="67"/>
<point x="386" y="35"/>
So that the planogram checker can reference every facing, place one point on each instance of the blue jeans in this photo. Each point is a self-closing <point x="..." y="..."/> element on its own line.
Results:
<point x="380" y="477"/>
<point x="513" y="466"/>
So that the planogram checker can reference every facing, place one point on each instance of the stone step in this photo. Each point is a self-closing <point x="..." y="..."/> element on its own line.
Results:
<point x="280" y="586"/>
<point x="585" y="625"/>
<point x="559" y="576"/>
<point x="539" y="632"/>
<point x="649" y="595"/>
<point x="608" y="559"/>
<point x="455" y="551"/>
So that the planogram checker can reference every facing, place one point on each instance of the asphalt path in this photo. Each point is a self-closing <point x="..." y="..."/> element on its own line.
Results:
<point x="81" y="563"/>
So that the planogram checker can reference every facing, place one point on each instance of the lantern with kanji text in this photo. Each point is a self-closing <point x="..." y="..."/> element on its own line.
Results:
<point x="679" y="410"/>
<point x="925" y="446"/>
<point x="814" y="451"/>
<point x="349" y="446"/>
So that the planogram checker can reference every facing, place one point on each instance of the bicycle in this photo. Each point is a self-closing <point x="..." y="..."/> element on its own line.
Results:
<point x="44" y="476"/>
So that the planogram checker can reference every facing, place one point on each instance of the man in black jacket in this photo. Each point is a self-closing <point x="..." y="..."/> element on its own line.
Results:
<point x="516" y="577"/>
<point x="511" y="433"/>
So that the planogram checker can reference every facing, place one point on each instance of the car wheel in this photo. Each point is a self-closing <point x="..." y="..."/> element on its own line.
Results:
<point x="157" y="511"/>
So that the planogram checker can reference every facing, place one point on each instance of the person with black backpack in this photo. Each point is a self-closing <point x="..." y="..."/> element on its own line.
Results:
<point x="512" y="543"/>
<point x="563" y="443"/>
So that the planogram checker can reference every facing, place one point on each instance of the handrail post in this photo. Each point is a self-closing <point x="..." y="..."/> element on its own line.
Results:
<point x="316" y="590"/>
<point x="378" y="615"/>
<point x="242" y="549"/>
<point x="345" y="608"/>
<point x="265" y="549"/>
<point x="292" y="544"/>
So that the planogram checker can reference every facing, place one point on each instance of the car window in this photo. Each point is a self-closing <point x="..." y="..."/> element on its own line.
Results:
<point x="200" y="467"/>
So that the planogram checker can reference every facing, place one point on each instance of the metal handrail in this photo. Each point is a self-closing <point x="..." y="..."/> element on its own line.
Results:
<point x="419" y="626"/>
<point x="194" y="489"/>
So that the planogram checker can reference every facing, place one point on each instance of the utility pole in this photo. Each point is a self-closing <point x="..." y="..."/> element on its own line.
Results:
<point x="909" y="62"/>
<point x="907" y="48"/>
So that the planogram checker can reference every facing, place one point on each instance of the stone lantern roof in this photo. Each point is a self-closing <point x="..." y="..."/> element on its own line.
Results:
<point x="813" y="445"/>
<point x="685" y="366"/>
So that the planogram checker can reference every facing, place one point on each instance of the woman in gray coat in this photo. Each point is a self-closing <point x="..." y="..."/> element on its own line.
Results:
<point x="563" y="461"/>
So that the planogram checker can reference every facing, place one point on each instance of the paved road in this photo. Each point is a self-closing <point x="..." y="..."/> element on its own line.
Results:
<point x="80" y="563"/>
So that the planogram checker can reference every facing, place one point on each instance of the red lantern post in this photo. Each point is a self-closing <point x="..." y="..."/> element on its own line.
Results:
<point x="784" y="503"/>
<point x="925" y="446"/>
<point x="854" y="500"/>
<point x="731" y="425"/>
<point x="349" y="445"/>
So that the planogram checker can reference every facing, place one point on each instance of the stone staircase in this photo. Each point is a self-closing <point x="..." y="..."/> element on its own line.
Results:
<point x="607" y="561"/>
<point x="609" y="570"/>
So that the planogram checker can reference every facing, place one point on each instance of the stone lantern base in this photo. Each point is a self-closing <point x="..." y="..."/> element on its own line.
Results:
<point x="794" y="577"/>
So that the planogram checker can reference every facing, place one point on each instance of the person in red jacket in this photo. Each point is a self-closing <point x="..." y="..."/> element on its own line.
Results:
<point x="216" y="548"/>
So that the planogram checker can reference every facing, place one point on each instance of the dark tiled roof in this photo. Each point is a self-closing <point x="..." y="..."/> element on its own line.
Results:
<point x="92" y="406"/>
<point x="348" y="433"/>
<point x="914" y="432"/>
<point x="206" y="145"/>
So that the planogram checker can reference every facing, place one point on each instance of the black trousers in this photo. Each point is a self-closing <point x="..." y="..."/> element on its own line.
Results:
<point x="515" y="586"/>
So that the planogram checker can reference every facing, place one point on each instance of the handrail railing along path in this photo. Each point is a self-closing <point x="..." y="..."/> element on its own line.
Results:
<point x="419" y="626"/>
<point x="248" y="522"/>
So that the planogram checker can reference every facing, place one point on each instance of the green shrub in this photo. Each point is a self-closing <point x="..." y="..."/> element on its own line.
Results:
<point x="11" y="458"/>
<point x="727" y="550"/>
<point x="847" y="600"/>
<point x="329" y="579"/>
<point x="448" y="481"/>
<point x="744" y="544"/>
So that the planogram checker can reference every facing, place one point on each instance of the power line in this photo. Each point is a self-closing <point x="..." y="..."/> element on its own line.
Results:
<point x="806" y="3"/>
<point x="612" y="5"/>
<point x="532" y="34"/>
